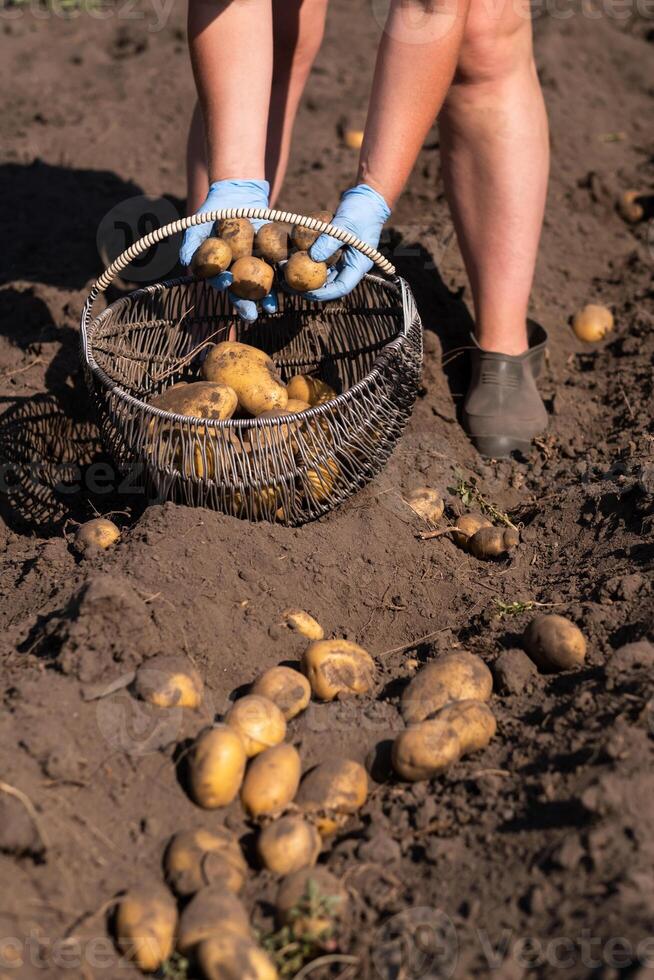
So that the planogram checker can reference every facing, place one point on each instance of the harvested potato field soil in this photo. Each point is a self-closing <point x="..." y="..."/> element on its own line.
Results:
<point x="533" y="857"/>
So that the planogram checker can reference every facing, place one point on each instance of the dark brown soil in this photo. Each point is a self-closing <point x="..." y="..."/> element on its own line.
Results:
<point x="533" y="857"/>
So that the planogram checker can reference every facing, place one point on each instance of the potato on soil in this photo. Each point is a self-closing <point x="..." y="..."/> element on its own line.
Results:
<point x="200" y="399"/>
<point x="331" y="792"/>
<point x="211" y="258"/>
<point x="216" y="767"/>
<point x="592" y="323"/>
<point x="311" y="902"/>
<point x="303" y="238"/>
<point x="253" y="278"/>
<point x="302" y="622"/>
<point x="428" y="748"/>
<point x="630" y="206"/>
<point x="146" y="920"/>
<point x="302" y="273"/>
<point x="196" y="858"/>
<point x="271" y="781"/>
<point x="493" y="542"/>
<point x="353" y="138"/>
<point x="271" y="242"/>
<point x="250" y="373"/>
<point x="238" y="233"/>
<point x="454" y="677"/>
<point x="554" y="643"/>
<point x="230" y="957"/>
<point x="97" y="533"/>
<point x="466" y="525"/>
<point x="287" y="688"/>
<point x="311" y="390"/>
<point x="213" y="911"/>
<point x="426" y="503"/>
<point x="169" y="682"/>
<point x="288" y="844"/>
<point x="259" y="723"/>
<point x="336" y="667"/>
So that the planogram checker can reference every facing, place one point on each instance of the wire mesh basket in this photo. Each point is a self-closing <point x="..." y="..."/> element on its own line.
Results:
<point x="290" y="469"/>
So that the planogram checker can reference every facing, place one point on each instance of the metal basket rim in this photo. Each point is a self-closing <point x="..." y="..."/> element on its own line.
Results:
<point x="396" y="284"/>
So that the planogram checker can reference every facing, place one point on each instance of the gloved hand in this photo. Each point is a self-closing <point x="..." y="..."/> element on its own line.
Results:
<point x="363" y="212"/>
<point x="230" y="194"/>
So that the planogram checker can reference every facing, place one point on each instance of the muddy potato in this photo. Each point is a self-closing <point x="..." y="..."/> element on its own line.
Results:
<point x="253" y="278"/>
<point x="259" y="723"/>
<point x="196" y="858"/>
<point x="311" y="390"/>
<point x="302" y="273"/>
<point x="466" y="525"/>
<point x="200" y="399"/>
<point x="473" y="721"/>
<point x="630" y="207"/>
<point x="97" y="533"/>
<point x="287" y="688"/>
<point x="238" y="233"/>
<point x="458" y="676"/>
<point x="250" y="373"/>
<point x="426" y="749"/>
<point x="336" y="667"/>
<point x="331" y="792"/>
<point x="271" y="781"/>
<point x="311" y="887"/>
<point x="288" y="844"/>
<point x="426" y="503"/>
<point x="493" y="542"/>
<point x="146" y="920"/>
<point x="169" y="682"/>
<point x="216" y="767"/>
<point x="211" y="258"/>
<point x="212" y="911"/>
<point x="554" y="643"/>
<point x="303" y="238"/>
<point x="271" y="242"/>
<point x="230" y="957"/>
<point x="592" y="323"/>
<point x="302" y="622"/>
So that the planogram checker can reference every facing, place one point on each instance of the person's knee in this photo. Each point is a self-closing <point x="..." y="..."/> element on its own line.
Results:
<point x="495" y="43"/>
<point x="299" y="30"/>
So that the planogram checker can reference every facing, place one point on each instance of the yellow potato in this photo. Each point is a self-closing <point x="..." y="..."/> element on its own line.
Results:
<point x="554" y="643"/>
<point x="322" y="477"/>
<point x="252" y="376"/>
<point x="311" y="902"/>
<point x="630" y="206"/>
<point x="272" y="242"/>
<point x="213" y="911"/>
<point x="201" y="399"/>
<point x="211" y="258"/>
<point x="253" y="278"/>
<point x="302" y="273"/>
<point x="218" y="351"/>
<point x="271" y="781"/>
<point x="353" y="138"/>
<point x="493" y="542"/>
<point x="473" y="722"/>
<point x="302" y="622"/>
<point x="311" y="390"/>
<point x="303" y="238"/>
<point x="196" y="858"/>
<point x="169" y="682"/>
<point x="332" y="791"/>
<point x="285" y="687"/>
<point x="238" y="233"/>
<point x="592" y="323"/>
<point x="146" y="920"/>
<point x="338" y="667"/>
<point x="426" y="749"/>
<point x="426" y="503"/>
<point x="259" y="723"/>
<point x="466" y="525"/>
<point x="216" y="767"/>
<point x="454" y="677"/>
<point x="97" y="533"/>
<point x="293" y="407"/>
<point x="230" y="957"/>
<point x="288" y="844"/>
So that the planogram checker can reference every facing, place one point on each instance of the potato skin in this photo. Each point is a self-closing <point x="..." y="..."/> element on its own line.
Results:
<point x="287" y="688"/>
<point x="272" y="241"/>
<point x="288" y="844"/>
<point x="554" y="643"/>
<point x="302" y="273"/>
<point x="271" y="781"/>
<point x="293" y="893"/>
<point x="146" y="920"/>
<point x="200" y="399"/>
<point x="97" y="533"/>
<point x="259" y="723"/>
<point x="428" y="748"/>
<point x="303" y="238"/>
<point x="253" y="278"/>
<point x="253" y="377"/>
<point x="169" y="682"/>
<point x="212" y="911"/>
<point x="230" y="957"/>
<point x="321" y="478"/>
<point x="196" y="858"/>
<point x="311" y="390"/>
<point x="238" y="233"/>
<point x="466" y="525"/>
<point x="493" y="542"/>
<point x="455" y="677"/>
<point x="630" y="207"/>
<point x="336" y="667"/>
<point x="473" y="722"/>
<point x="211" y="258"/>
<point x="302" y="622"/>
<point x="216" y="767"/>
<point x="426" y="503"/>
<point x="332" y="791"/>
<point x="592" y="323"/>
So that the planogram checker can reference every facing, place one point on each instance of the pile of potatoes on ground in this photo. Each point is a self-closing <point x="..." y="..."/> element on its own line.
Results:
<point x="197" y="912"/>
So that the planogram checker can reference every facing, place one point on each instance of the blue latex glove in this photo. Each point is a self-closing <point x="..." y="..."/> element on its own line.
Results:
<point x="230" y="194"/>
<point x="363" y="212"/>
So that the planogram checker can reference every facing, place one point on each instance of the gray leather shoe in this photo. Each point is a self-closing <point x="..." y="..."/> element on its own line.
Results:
<point x="503" y="410"/>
